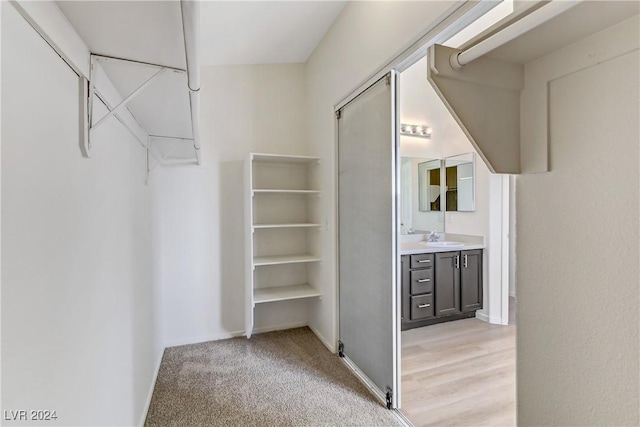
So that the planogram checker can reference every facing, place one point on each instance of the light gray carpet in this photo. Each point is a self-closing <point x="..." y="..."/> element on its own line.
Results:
<point x="285" y="378"/>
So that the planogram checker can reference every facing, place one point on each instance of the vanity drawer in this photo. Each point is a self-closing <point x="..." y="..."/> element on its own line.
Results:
<point x="422" y="281"/>
<point x="421" y="260"/>
<point x="422" y="307"/>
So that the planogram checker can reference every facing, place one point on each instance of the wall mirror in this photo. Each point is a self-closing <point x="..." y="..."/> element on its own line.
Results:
<point x="460" y="183"/>
<point x="420" y="195"/>
<point x="429" y="185"/>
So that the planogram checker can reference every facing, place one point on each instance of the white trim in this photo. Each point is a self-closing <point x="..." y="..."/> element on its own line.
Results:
<point x="396" y="295"/>
<point x="444" y="27"/>
<point x="152" y="388"/>
<point x="496" y="288"/>
<point x="365" y="380"/>
<point x="396" y="291"/>
<point x="494" y="320"/>
<point x="233" y="334"/>
<point x="322" y="339"/>
<point x="506" y="253"/>
<point x="481" y="315"/>
<point x="400" y="416"/>
<point x="203" y="338"/>
<point x="280" y="327"/>
<point x="336" y="228"/>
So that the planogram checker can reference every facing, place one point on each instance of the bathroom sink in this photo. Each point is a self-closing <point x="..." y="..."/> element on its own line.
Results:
<point x="444" y="244"/>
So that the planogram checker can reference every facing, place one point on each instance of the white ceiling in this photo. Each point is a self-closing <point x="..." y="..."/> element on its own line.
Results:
<point x="232" y="32"/>
<point x="264" y="32"/>
<point x="140" y="30"/>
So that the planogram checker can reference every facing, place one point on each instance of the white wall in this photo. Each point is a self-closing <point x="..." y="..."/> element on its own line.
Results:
<point x="577" y="230"/>
<point x="78" y="333"/>
<point x="199" y="211"/>
<point x="363" y="38"/>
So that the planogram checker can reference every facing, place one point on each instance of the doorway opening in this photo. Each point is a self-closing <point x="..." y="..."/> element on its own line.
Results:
<point x="457" y="352"/>
<point x="370" y="276"/>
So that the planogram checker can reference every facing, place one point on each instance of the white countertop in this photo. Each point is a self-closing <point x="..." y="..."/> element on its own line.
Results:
<point x="412" y="248"/>
<point x="417" y="243"/>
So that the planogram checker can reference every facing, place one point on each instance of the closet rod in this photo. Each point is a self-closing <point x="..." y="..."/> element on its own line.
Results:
<point x="521" y="26"/>
<point x="191" y="31"/>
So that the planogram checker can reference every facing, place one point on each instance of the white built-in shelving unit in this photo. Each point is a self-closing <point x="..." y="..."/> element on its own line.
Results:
<point x="281" y="227"/>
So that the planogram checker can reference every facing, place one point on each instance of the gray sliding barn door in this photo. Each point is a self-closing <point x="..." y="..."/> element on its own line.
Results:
<point x="367" y="160"/>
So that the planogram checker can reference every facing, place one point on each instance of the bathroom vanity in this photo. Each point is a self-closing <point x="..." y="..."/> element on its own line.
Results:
<point x="440" y="284"/>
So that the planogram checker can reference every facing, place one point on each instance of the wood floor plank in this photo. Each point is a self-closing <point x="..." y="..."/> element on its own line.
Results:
<point x="460" y="373"/>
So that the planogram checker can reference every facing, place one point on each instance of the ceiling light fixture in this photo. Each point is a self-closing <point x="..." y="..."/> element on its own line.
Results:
<point x="421" y="131"/>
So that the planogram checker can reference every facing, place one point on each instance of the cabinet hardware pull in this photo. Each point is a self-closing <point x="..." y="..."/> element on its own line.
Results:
<point x="457" y="261"/>
<point x="424" y="260"/>
<point x="423" y="280"/>
<point x="424" y="305"/>
<point x="465" y="260"/>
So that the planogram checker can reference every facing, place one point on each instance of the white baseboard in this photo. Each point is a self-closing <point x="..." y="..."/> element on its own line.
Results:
<point x="233" y="334"/>
<point x="279" y="327"/>
<point x="204" y="338"/>
<point x="324" y="341"/>
<point x="489" y="319"/>
<point x="482" y="316"/>
<point x="151" y="388"/>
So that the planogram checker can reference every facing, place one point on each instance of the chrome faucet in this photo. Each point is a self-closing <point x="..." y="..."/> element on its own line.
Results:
<point x="433" y="236"/>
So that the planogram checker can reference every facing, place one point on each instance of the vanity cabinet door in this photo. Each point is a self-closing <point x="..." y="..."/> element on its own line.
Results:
<point x="447" y="283"/>
<point x="406" y="288"/>
<point x="471" y="280"/>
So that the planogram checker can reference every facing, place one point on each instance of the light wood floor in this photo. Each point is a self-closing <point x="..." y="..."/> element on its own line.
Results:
<point x="460" y="373"/>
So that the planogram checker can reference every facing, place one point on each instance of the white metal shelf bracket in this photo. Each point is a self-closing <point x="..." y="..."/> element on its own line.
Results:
<point x="129" y="98"/>
<point x="129" y="120"/>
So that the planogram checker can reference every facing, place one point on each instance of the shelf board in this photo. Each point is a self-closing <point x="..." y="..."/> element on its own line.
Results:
<point x="291" y="225"/>
<point x="279" y="191"/>
<point x="283" y="293"/>
<point x="281" y="158"/>
<point x="283" y="259"/>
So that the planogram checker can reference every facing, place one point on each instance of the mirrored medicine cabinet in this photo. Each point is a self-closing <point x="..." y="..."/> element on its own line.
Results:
<point x="460" y="183"/>
<point x="429" y="187"/>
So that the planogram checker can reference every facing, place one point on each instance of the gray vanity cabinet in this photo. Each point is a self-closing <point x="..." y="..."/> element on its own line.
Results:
<point x="439" y="287"/>
<point x="447" y="283"/>
<point x="471" y="281"/>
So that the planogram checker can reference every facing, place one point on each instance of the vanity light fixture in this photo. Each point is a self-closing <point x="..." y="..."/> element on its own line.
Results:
<point x="421" y="131"/>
